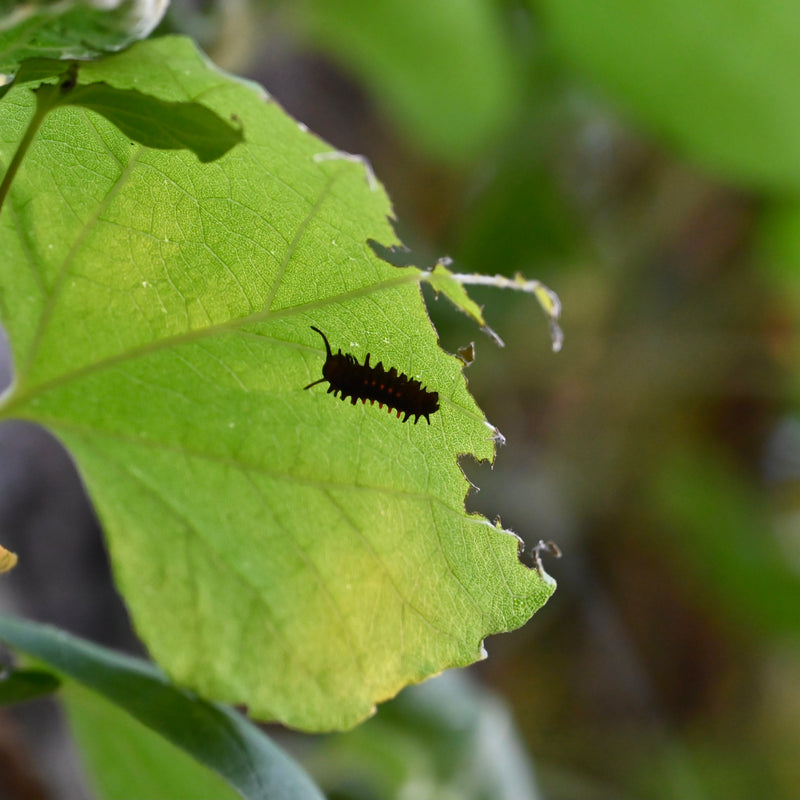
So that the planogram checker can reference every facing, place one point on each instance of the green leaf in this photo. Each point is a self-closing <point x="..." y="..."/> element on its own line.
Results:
<point x="442" y="280"/>
<point x="718" y="79"/>
<point x="71" y="28"/>
<point x="18" y="685"/>
<point x="275" y="546"/>
<point x="126" y="760"/>
<point x="396" y="47"/>
<point x="214" y="735"/>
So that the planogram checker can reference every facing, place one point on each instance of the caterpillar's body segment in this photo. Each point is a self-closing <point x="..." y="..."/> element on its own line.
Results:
<point x="348" y="378"/>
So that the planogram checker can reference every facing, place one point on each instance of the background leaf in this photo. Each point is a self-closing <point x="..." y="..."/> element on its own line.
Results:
<point x="126" y="760"/>
<point x="447" y="738"/>
<point x="717" y="515"/>
<point x="314" y="557"/>
<point x="214" y="735"/>
<point x="717" y="79"/>
<point x="397" y="46"/>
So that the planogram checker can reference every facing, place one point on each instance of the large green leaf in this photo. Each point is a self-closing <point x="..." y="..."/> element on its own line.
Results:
<point x="124" y="690"/>
<point x="276" y="547"/>
<point x="718" y="79"/>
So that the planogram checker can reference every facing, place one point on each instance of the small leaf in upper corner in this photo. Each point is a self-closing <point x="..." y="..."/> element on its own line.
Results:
<point x="73" y="28"/>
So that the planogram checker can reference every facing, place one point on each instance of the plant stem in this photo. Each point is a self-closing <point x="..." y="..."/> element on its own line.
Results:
<point x="46" y="99"/>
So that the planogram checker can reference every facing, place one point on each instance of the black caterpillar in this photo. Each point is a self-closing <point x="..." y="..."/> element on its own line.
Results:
<point x="363" y="382"/>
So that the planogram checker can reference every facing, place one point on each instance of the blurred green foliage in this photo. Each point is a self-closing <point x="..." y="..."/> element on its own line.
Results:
<point x="441" y="70"/>
<point x="717" y="80"/>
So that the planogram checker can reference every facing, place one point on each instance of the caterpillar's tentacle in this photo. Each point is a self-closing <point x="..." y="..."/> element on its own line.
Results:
<point x="324" y="339"/>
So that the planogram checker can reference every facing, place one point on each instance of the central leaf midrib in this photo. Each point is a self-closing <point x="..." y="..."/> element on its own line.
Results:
<point x="20" y="397"/>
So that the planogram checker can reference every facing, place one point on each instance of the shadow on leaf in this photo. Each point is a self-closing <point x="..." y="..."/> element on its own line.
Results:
<point x="159" y="124"/>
